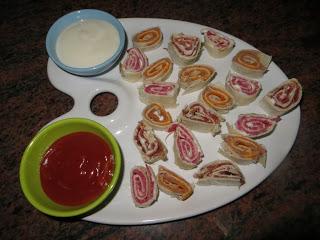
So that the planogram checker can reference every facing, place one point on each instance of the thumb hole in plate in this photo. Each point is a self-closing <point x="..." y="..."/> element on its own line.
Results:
<point x="104" y="104"/>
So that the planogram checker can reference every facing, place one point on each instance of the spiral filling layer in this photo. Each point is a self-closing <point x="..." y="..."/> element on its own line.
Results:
<point x="198" y="112"/>
<point x="158" y="70"/>
<point x="187" y="146"/>
<point x="156" y="114"/>
<point x="135" y="61"/>
<point x="255" y="125"/>
<point x="220" y="171"/>
<point x="160" y="89"/>
<point x="219" y="41"/>
<point x="147" y="142"/>
<point x="186" y="45"/>
<point x="173" y="184"/>
<point x="286" y="95"/>
<point x="245" y="86"/>
<point x="144" y="187"/>
<point x="217" y="98"/>
<point x="148" y="39"/>
<point x="193" y="73"/>
<point x="249" y="59"/>
<point x="244" y="147"/>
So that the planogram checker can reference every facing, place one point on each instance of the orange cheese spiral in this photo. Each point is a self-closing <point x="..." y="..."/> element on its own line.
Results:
<point x="217" y="98"/>
<point x="158" y="70"/>
<point x="170" y="182"/>
<point x="249" y="59"/>
<point x="156" y="114"/>
<point x="195" y="73"/>
<point x="148" y="37"/>
<point x="244" y="147"/>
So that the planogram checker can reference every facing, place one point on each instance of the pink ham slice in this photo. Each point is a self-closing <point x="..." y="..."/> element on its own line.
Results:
<point x="187" y="148"/>
<point x="144" y="188"/>
<point x="220" y="172"/>
<point x="283" y="98"/>
<point x="287" y="95"/>
<point x="198" y="112"/>
<point x="255" y="125"/>
<point x="149" y="145"/>
<point x="246" y="86"/>
<point x="219" y="41"/>
<point x="135" y="61"/>
<point x="186" y="45"/>
<point x="161" y="89"/>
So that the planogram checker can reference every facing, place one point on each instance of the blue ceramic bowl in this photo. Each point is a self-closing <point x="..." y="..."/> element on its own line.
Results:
<point x="76" y="16"/>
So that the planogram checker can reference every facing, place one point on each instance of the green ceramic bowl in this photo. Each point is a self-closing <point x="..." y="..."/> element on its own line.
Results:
<point x="30" y="165"/>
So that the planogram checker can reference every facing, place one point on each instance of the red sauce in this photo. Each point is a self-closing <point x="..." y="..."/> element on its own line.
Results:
<point x="76" y="169"/>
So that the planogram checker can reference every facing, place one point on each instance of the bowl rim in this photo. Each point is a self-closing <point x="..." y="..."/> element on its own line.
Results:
<point x="83" y="209"/>
<point x="78" y="15"/>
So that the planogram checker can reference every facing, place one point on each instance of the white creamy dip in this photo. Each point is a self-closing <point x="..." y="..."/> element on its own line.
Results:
<point x="87" y="43"/>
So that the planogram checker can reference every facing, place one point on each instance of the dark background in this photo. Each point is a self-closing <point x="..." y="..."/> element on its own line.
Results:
<point x="286" y="205"/>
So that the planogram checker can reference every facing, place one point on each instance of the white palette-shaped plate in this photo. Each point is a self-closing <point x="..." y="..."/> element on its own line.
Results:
<point x="123" y="120"/>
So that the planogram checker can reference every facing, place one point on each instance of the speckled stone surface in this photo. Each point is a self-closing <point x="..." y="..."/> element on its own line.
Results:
<point x="286" y="205"/>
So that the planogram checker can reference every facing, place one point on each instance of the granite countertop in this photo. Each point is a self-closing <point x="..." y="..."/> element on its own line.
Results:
<point x="286" y="204"/>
